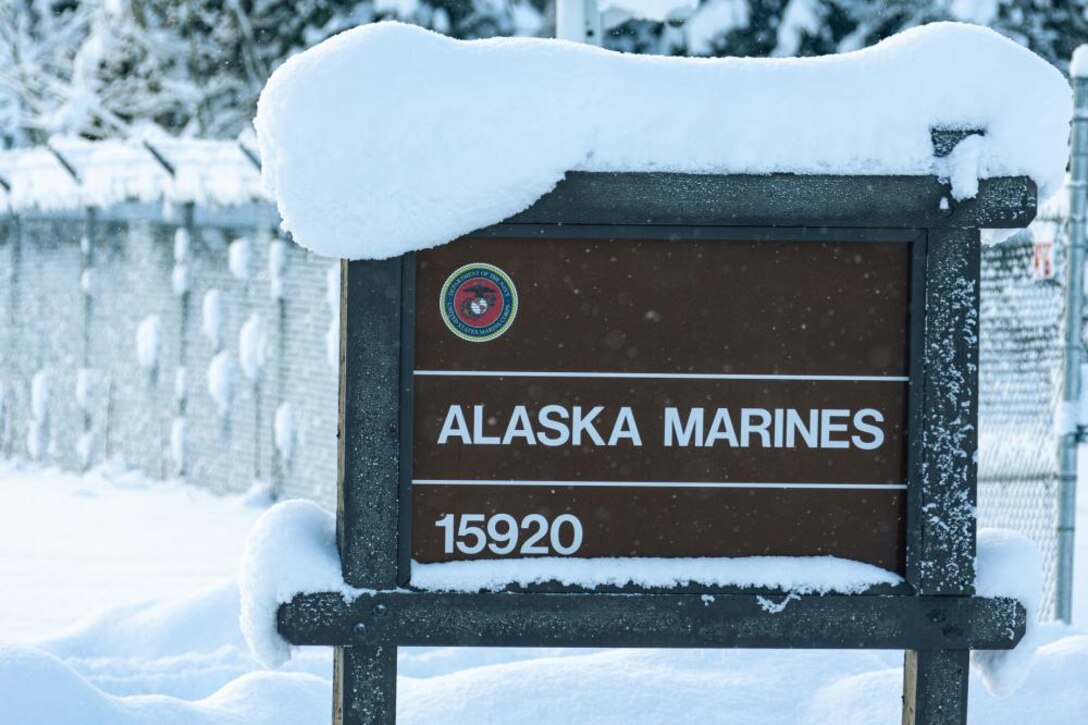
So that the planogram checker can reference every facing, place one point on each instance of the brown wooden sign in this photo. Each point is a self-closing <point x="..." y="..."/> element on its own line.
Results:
<point x="657" y="398"/>
<point x="670" y="365"/>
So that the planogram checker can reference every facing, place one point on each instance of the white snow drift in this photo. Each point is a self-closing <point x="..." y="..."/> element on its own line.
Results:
<point x="389" y="137"/>
<point x="182" y="660"/>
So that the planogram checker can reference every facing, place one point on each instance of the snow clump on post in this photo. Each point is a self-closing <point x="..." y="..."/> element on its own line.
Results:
<point x="240" y="257"/>
<point x="37" y="433"/>
<point x="290" y="550"/>
<point x="251" y="347"/>
<point x="148" y="344"/>
<point x="221" y="381"/>
<point x="211" y="321"/>
<point x="284" y="431"/>
<point x="277" y="268"/>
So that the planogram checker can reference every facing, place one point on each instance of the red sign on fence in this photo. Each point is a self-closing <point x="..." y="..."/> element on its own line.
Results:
<point x="1042" y="258"/>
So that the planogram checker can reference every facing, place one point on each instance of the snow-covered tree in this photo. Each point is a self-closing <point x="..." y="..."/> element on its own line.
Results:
<point x="196" y="67"/>
<point x="38" y="40"/>
<point x="1051" y="28"/>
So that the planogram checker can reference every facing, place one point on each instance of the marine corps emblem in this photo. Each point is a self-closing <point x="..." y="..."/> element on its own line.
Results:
<point x="478" y="302"/>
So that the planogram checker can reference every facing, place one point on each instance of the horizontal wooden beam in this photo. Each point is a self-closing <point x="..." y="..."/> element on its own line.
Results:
<point x="654" y="620"/>
<point x="646" y="199"/>
<point x="782" y="200"/>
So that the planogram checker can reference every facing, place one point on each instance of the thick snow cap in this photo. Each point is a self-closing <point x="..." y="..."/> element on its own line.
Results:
<point x="389" y="138"/>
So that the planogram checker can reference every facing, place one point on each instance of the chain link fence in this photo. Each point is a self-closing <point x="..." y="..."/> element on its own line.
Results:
<point x="48" y="323"/>
<point x="1020" y="374"/>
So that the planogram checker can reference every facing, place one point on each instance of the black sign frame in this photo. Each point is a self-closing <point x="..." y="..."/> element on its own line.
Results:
<point x="935" y="617"/>
<point x="916" y="238"/>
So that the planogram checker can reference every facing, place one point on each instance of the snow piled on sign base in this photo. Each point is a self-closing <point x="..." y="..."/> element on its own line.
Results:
<point x="389" y="138"/>
<point x="1007" y="564"/>
<point x="794" y="574"/>
<point x="290" y="550"/>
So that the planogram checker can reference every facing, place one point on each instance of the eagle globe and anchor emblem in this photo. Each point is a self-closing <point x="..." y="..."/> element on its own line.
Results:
<point x="478" y="302"/>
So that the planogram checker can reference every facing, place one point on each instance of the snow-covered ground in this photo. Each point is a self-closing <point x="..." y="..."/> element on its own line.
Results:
<point x="72" y="545"/>
<point x="147" y="569"/>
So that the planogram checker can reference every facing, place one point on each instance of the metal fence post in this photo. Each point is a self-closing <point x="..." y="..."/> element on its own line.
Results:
<point x="578" y="21"/>
<point x="87" y="241"/>
<point x="1074" y="321"/>
<point x="181" y="392"/>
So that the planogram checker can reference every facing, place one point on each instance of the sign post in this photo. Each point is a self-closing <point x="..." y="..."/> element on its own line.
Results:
<point x="661" y="366"/>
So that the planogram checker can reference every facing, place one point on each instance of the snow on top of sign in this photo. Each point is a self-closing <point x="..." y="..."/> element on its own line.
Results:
<point x="388" y="137"/>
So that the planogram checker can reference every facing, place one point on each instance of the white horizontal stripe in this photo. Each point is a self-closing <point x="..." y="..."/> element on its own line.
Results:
<point x="657" y="376"/>
<point x="660" y="484"/>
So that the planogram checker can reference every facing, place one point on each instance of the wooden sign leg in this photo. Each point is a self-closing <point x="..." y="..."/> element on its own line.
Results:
<point x="365" y="677"/>
<point x="935" y="687"/>
<point x="365" y="686"/>
<point x="941" y="516"/>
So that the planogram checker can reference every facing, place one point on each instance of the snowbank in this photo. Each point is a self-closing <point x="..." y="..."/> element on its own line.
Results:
<point x="798" y="575"/>
<point x="76" y="544"/>
<point x="185" y="647"/>
<point x="388" y="137"/>
<point x="779" y="687"/>
<point x="183" y="660"/>
<point x="36" y="688"/>
<point x="290" y="550"/>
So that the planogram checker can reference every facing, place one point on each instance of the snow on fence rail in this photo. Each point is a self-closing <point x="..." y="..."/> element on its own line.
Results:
<point x="76" y="284"/>
<point x="74" y="174"/>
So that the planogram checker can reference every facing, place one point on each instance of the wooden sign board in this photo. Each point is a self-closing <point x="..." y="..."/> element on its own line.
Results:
<point x="678" y="366"/>
<point x="661" y="397"/>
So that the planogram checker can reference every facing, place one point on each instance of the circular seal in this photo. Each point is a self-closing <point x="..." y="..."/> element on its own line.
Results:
<point x="478" y="302"/>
